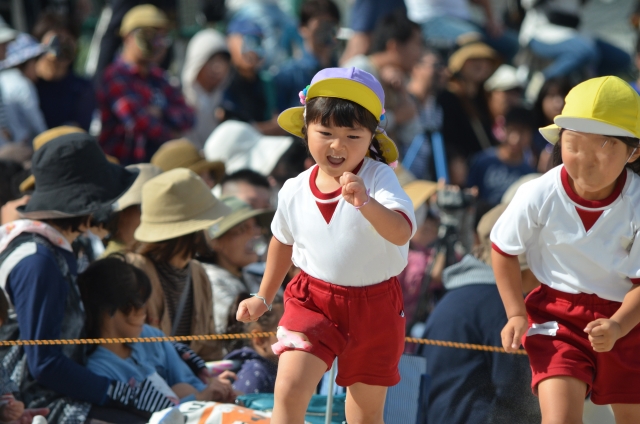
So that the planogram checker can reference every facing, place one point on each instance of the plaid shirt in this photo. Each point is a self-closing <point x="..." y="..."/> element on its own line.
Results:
<point x="129" y="131"/>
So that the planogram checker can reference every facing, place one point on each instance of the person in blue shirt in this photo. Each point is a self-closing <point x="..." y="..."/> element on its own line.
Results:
<point x="319" y="22"/>
<point x="495" y="169"/>
<point x="115" y="293"/>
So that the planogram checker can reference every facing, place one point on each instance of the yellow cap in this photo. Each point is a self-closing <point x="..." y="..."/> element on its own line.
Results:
<point x="605" y="105"/>
<point x="145" y="15"/>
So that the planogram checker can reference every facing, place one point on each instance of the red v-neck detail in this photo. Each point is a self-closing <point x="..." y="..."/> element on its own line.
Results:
<point x="592" y="204"/>
<point x="327" y="209"/>
<point x="588" y="218"/>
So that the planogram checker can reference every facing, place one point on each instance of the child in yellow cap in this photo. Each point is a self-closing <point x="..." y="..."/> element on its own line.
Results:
<point x="346" y="223"/>
<point x="578" y="225"/>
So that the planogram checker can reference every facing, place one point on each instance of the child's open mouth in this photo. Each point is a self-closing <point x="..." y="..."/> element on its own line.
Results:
<point x="335" y="160"/>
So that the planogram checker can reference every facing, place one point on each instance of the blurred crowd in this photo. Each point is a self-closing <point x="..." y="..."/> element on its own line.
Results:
<point x="179" y="153"/>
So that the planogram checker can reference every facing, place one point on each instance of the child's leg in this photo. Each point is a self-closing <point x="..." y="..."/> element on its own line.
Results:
<point x="626" y="413"/>
<point x="561" y="400"/>
<point x="298" y="376"/>
<point x="365" y="404"/>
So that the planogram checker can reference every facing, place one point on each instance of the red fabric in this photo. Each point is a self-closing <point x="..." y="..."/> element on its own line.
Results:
<point x="404" y="215"/>
<point x="635" y="280"/>
<point x="592" y="204"/>
<point x="497" y="249"/>
<point x="363" y="326"/>
<point x="129" y="132"/>
<point x="612" y="377"/>
<point x="327" y="210"/>
<point x="588" y="218"/>
<point x="326" y="196"/>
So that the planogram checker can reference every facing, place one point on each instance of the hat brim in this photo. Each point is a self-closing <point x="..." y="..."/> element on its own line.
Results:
<point x="153" y="232"/>
<point x="264" y="217"/>
<point x="28" y="184"/>
<point x="217" y="167"/>
<point x="292" y="121"/>
<point x="37" y="208"/>
<point x="419" y="191"/>
<point x="551" y="133"/>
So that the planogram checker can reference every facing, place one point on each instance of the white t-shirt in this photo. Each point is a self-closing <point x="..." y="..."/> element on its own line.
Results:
<point x="575" y="245"/>
<point x="331" y="239"/>
<point x="421" y="11"/>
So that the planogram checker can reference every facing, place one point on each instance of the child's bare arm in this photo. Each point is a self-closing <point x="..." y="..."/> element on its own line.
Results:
<point x="603" y="333"/>
<point x="278" y="264"/>
<point x="509" y="282"/>
<point x="183" y="390"/>
<point x="391" y="225"/>
<point x="11" y="411"/>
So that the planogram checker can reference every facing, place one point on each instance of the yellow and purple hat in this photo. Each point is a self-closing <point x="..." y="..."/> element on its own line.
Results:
<point x="351" y="84"/>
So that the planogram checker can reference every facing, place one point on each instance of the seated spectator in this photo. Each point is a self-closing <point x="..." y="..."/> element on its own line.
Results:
<point x="65" y="98"/>
<point x="183" y="153"/>
<point x="125" y="217"/>
<point x="19" y="95"/>
<point x="495" y="169"/>
<point x="505" y="92"/>
<point x="176" y="207"/>
<point x="396" y="48"/>
<point x="467" y="121"/>
<point x="258" y="363"/>
<point x="249" y="186"/>
<point x="240" y="146"/>
<point x="468" y="386"/>
<point x="205" y="76"/>
<point x="319" y="23"/>
<point x="115" y="294"/>
<point x="139" y="108"/>
<point x="39" y="276"/>
<point x="10" y="174"/>
<point x="233" y="242"/>
<point x="446" y="23"/>
<point x="548" y="105"/>
<point x="249" y="97"/>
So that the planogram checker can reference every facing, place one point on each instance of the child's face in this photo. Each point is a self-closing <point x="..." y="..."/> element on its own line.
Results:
<point x="552" y="104"/>
<point x="337" y="150"/>
<point x="594" y="168"/>
<point x="129" y="325"/>
<point x="517" y="137"/>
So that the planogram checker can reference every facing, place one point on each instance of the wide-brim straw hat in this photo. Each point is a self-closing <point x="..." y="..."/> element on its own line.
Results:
<point x="351" y="84"/>
<point x="143" y="16"/>
<point x="133" y="196"/>
<point x="182" y="153"/>
<point x="472" y="51"/>
<point x="605" y="106"/>
<point x="177" y="203"/>
<point x="74" y="179"/>
<point x="240" y="212"/>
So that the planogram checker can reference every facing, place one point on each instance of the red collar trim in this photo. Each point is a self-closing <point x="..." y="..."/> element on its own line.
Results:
<point x="592" y="204"/>
<point x="327" y="196"/>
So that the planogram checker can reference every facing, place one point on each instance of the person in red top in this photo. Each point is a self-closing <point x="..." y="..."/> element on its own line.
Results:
<point x="139" y="108"/>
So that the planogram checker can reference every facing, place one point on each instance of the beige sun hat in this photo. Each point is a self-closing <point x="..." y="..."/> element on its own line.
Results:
<point x="240" y="212"/>
<point x="133" y="196"/>
<point x="182" y="153"/>
<point x="419" y="191"/>
<point x="177" y="203"/>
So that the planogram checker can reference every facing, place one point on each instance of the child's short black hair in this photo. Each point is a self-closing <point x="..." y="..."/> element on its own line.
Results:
<point x="248" y="176"/>
<point x="315" y="8"/>
<point x="394" y="26"/>
<point x="341" y="113"/>
<point x="109" y="285"/>
<point x="519" y="116"/>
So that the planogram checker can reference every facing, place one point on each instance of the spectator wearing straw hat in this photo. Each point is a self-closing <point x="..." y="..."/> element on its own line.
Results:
<point x="19" y="94"/>
<point x="139" y="108"/>
<point x="468" y="386"/>
<point x="177" y="206"/>
<point x="39" y="277"/>
<point x="234" y="241"/>
<point x="183" y="153"/>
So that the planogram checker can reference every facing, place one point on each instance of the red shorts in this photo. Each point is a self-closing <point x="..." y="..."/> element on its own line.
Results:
<point x="362" y="326"/>
<point x="611" y="377"/>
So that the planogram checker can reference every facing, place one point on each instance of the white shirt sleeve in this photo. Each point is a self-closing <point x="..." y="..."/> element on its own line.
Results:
<point x="517" y="224"/>
<point x="280" y="226"/>
<point x="388" y="192"/>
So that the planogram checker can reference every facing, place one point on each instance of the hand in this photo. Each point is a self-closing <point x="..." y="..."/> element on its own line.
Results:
<point x="251" y="309"/>
<point x="512" y="333"/>
<point x="9" y="212"/>
<point x="11" y="411"/>
<point x="29" y="414"/>
<point x="392" y="76"/>
<point x="603" y="334"/>
<point x="353" y="189"/>
<point x="218" y="390"/>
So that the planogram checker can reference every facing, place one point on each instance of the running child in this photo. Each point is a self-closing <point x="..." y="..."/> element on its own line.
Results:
<point x="346" y="223"/>
<point x="578" y="225"/>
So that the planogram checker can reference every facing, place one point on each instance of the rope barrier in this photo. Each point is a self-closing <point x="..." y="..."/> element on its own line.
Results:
<point x="211" y="337"/>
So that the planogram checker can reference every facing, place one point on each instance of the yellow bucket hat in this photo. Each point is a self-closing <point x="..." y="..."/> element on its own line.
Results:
<point x="605" y="105"/>
<point x="351" y="84"/>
